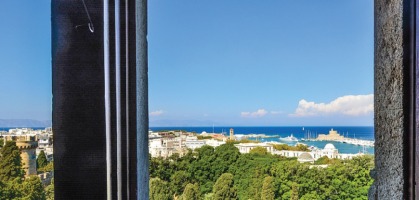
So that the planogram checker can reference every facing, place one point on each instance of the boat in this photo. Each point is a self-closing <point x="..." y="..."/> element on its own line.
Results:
<point x="290" y="138"/>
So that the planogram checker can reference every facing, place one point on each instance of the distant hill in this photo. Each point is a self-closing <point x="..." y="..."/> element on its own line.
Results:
<point x="5" y="123"/>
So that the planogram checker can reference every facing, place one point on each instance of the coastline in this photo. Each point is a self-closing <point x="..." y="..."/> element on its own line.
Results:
<point x="273" y="133"/>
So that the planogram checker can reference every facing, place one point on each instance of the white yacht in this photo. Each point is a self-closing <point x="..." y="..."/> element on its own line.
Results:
<point x="290" y="138"/>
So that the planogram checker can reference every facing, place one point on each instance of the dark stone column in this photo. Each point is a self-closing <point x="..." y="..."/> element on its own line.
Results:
<point x="79" y="104"/>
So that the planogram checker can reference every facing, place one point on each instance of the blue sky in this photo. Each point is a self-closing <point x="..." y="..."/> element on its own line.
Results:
<point x="25" y="60"/>
<point x="219" y="62"/>
<point x="248" y="63"/>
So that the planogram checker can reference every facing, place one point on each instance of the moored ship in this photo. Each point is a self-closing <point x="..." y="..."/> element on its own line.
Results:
<point x="290" y="138"/>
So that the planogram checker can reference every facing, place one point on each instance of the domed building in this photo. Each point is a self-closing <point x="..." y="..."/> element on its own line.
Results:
<point x="305" y="157"/>
<point x="330" y="151"/>
<point x="329" y="146"/>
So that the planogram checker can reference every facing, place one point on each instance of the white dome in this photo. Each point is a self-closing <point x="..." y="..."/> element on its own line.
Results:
<point x="305" y="157"/>
<point x="329" y="146"/>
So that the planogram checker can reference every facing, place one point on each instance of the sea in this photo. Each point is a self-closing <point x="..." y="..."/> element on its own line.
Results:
<point x="275" y="132"/>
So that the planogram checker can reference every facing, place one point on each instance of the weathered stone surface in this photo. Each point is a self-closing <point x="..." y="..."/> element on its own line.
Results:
<point x="388" y="103"/>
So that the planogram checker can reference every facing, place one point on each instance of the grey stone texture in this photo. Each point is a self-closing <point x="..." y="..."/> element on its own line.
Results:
<point x="388" y="100"/>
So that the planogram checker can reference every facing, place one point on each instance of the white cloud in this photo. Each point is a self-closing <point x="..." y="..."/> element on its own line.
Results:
<point x="352" y="105"/>
<point x="156" y="113"/>
<point x="258" y="113"/>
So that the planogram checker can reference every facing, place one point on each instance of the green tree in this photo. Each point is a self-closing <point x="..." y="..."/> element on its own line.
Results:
<point x="10" y="162"/>
<point x="159" y="190"/>
<point x="49" y="167"/>
<point x="178" y="182"/>
<point x="209" y="196"/>
<point x="205" y="151"/>
<point x="41" y="161"/>
<point x="32" y="189"/>
<point x="299" y="147"/>
<point x="191" y="192"/>
<point x="12" y="189"/>
<point x="202" y="169"/>
<point x="49" y="191"/>
<point x="224" y="188"/>
<point x="225" y="156"/>
<point x="259" y="151"/>
<point x="206" y="187"/>
<point x="294" y="191"/>
<point x="1" y="142"/>
<point x="310" y="196"/>
<point x="268" y="192"/>
<point x="302" y="147"/>
<point x="3" y="191"/>
<point x="249" y="171"/>
<point x="162" y="168"/>
<point x="322" y="161"/>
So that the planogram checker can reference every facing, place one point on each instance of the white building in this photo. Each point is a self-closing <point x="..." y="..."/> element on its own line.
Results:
<point x="153" y="135"/>
<point x="192" y="142"/>
<point x="287" y="153"/>
<point x="214" y="143"/>
<point x="157" y="148"/>
<point x="329" y="150"/>
<point x="44" y="141"/>
<point x="246" y="147"/>
<point x="165" y="147"/>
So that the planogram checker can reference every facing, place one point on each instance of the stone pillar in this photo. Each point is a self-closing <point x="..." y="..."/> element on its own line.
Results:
<point x="393" y="97"/>
<point x="142" y="99"/>
<point x="82" y="161"/>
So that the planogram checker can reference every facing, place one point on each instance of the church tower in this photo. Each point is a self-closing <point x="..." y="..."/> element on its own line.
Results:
<point x="231" y="134"/>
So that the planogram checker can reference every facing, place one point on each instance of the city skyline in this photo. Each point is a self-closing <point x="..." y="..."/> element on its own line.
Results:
<point x="224" y="63"/>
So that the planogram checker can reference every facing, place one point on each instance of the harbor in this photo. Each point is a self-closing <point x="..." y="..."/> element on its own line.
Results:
<point x="271" y="134"/>
<point x="335" y="136"/>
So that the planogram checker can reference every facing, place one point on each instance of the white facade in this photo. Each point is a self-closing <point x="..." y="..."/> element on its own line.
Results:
<point x="287" y="153"/>
<point x="246" y="147"/>
<point x="329" y="150"/>
<point x="214" y="143"/>
<point x="44" y="141"/>
<point x="192" y="142"/>
<point x="157" y="149"/>
<point x="165" y="147"/>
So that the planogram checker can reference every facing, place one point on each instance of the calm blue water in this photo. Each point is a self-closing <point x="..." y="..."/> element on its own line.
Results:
<point x="359" y="132"/>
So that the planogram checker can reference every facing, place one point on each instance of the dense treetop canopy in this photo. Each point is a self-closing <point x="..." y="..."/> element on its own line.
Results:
<point x="260" y="175"/>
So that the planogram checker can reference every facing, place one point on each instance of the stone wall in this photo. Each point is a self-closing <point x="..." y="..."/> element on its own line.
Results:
<point x="388" y="102"/>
